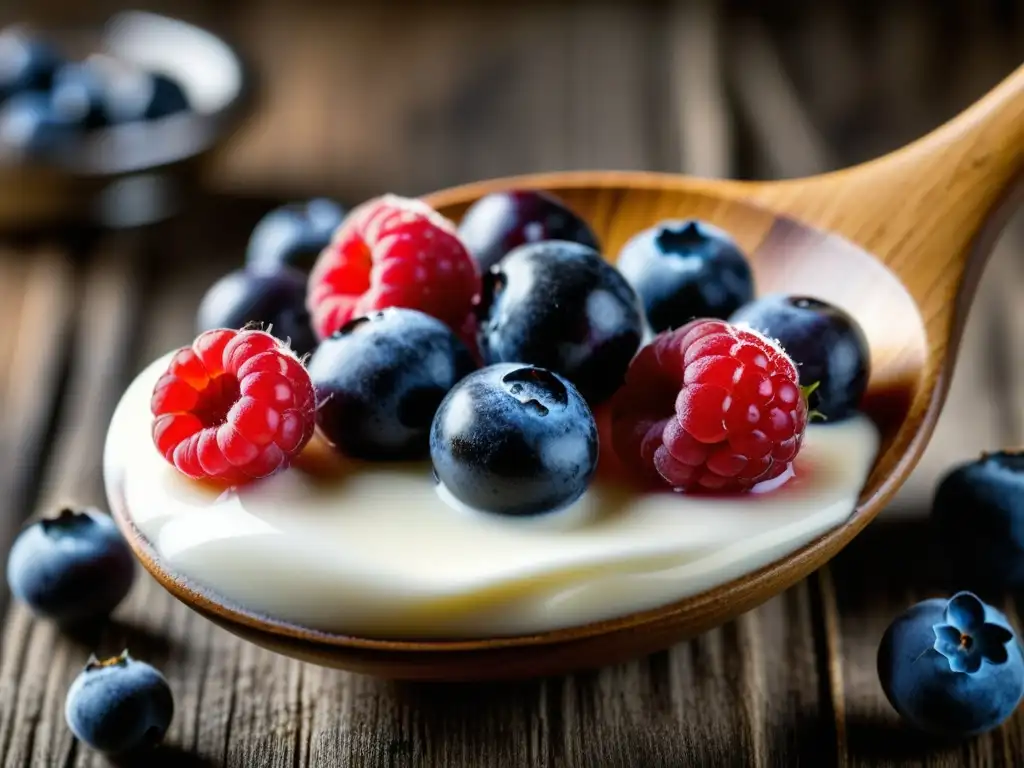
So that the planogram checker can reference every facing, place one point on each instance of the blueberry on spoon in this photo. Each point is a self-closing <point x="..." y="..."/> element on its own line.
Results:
<point x="514" y="439"/>
<point x="686" y="269"/>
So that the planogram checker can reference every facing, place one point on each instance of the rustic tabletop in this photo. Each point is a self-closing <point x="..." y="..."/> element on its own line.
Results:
<point x="790" y="683"/>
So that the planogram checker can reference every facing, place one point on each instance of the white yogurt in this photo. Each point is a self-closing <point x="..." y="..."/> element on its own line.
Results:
<point x="375" y="550"/>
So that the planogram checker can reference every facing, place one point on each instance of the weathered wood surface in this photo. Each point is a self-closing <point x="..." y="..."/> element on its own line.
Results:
<point x="546" y="87"/>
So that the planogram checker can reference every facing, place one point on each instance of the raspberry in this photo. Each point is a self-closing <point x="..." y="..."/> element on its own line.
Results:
<point x="392" y="252"/>
<point x="709" y="407"/>
<point x="233" y="407"/>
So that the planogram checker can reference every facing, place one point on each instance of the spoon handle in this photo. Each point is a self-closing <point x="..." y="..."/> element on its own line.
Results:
<point x="922" y="208"/>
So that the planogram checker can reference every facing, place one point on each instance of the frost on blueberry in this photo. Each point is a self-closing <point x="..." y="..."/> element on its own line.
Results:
<point x="966" y="639"/>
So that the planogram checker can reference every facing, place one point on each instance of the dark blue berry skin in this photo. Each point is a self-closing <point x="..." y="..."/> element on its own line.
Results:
<point x="682" y="270"/>
<point x="79" y="95"/>
<point x="29" y="124"/>
<point x="559" y="305"/>
<point x="952" y="667"/>
<point x="138" y="96"/>
<point x="497" y="223"/>
<point x="26" y="64"/>
<point x="978" y="517"/>
<point x="119" y="706"/>
<point x="514" y="440"/>
<point x="827" y="344"/>
<point x="293" y="235"/>
<point x="71" y="568"/>
<point x="380" y="379"/>
<point x="273" y="300"/>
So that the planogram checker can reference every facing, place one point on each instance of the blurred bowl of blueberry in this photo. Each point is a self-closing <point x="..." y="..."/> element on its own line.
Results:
<point x="109" y="125"/>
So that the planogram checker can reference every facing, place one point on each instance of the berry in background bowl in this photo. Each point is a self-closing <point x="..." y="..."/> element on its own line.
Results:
<point x="558" y="305"/>
<point x="829" y="347"/>
<point x="686" y="269"/>
<point x="380" y="379"/>
<point x="274" y="301"/>
<point x="27" y="62"/>
<point x="502" y="221"/>
<point x="293" y="235"/>
<point x="514" y="440"/>
<point x="29" y="124"/>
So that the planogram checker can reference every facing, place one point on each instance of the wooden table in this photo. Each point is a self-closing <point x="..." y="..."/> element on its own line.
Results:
<point x="791" y="683"/>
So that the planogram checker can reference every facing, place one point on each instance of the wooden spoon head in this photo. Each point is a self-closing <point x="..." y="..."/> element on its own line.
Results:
<point x="787" y="257"/>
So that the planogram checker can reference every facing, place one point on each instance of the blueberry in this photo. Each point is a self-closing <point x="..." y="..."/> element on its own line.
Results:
<point x="952" y="667"/>
<point x="682" y="270"/>
<point x="380" y="379"/>
<point x="26" y="63"/>
<point x="134" y="95"/>
<point x="72" y="567"/>
<point x="293" y="235"/>
<point x="29" y="124"/>
<point x="514" y="439"/>
<point x="119" y="706"/>
<point x="978" y="516"/>
<point x="275" y="300"/>
<point x="497" y="223"/>
<point x="559" y="305"/>
<point x="827" y="344"/>
<point x="79" y="95"/>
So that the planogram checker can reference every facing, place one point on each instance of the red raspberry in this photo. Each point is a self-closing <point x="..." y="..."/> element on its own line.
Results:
<point x="392" y="252"/>
<point x="233" y="407"/>
<point x="709" y="407"/>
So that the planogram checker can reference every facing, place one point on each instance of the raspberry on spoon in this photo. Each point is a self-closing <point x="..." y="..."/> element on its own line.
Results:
<point x="393" y="252"/>
<point x="233" y="407"/>
<point x="710" y="407"/>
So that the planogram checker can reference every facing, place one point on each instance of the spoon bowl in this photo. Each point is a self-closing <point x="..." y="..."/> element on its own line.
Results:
<point x="898" y="243"/>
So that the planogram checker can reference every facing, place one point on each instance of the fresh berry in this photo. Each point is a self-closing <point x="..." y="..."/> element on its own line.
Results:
<point x="79" y="95"/>
<point x="274" y="300"/>
<point x="710" y="407"/>
<point x="952" y="667"/>
<point x="683" y="270"/>
<point x="71" y="568"/>
<point x="26" y="63"/>
<point x="828" y="346"/>
<point x="978" y="515"/>
<point x="233" y="407"/>
<point x="136" y="95"/>
<point x="559" y="305"/>
<point x="393" y="252"/>
<point x="514" y="439"/>
<point x="502" y="221"/>
<point x="29" y="125"/>
<point x="119" y="706"/>
<point x="380" y="379"/>
<point x="293" y="235"/>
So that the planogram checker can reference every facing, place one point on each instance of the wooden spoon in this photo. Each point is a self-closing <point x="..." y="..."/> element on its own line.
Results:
<point x="898" y="242"/>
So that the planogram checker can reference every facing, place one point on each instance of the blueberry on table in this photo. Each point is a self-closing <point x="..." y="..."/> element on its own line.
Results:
<point x="682" y="270"/>
<point x="293" y="235"/>
<point x="72" y="567"/>
<point x="501" y="221"/>
<point x="828" y="345"/>
<point x="119" y="706"/>
<point x="978" y="516"/>
<point x="29" y="125"/>
<point x="514" y="439"/>
<point x="26" y="63"/>
<point x="560" y="306"/>
<point x="380" y="379"/>
<point x="274" y="300"/>
<point x="952" y="667"/>
<point x="79" y="94"/>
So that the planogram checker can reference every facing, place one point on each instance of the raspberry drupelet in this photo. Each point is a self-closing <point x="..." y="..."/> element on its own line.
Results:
<point x="233" y="407"/>
<point x="393" y="252"/>
<point x="709" y="407"/>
